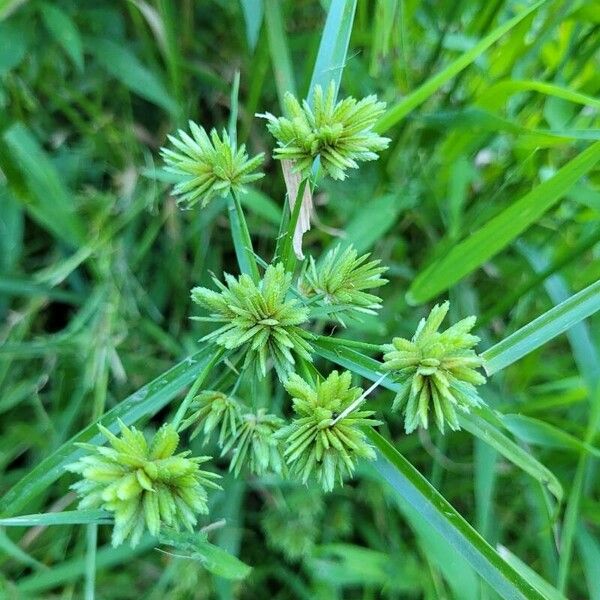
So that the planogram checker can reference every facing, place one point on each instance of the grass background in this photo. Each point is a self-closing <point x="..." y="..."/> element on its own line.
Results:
<point x="96" y="263"/>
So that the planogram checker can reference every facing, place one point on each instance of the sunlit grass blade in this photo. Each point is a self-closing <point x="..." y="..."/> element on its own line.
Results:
<point x="547" y="326"/>
<point x="71" y="517"/>
<point x="427" y="89"/>
<point x="334" y="45"/>
<point x="145" y="402"/>
<point x="415" y="489"/>
<point x="500" y="231"/>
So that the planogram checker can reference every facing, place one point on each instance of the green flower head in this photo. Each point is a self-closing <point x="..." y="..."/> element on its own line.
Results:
<point x="144" y="485"/>
<point x="341" y="134"/>
<point x="209" y="167"/>
<point x="436" y="368"/>
<point x="256" y="445"/>
<point x="261" y="318"/>
<point x="342" y="278"/>
<point x="212" y="410"/>
<point x="325" y="439"/>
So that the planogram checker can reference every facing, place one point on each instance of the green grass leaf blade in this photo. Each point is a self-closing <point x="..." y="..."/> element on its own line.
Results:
<point x="333" y="48"/>
<point x="589" y="549"/>
<point x="124" y="66"/>
<point x="547" y="326"/>
<point x="64" y="31"/>
<point x="48" y="202"/>
<point x="70" y="517"/>
<point x="416" y="490"/>
<point x="500" y="231"/>
<point x="433" y="84"/>
<point x="279" y="49"/>
<point x="254" y="11"/>
<point x="146" y="401"/>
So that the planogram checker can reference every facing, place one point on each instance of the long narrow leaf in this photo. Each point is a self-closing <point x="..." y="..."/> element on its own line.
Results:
<point x="417" y="491"/>
<point x="71" y="517"/>
<point x="544" y="328"/>
<point x="495" y="235"/>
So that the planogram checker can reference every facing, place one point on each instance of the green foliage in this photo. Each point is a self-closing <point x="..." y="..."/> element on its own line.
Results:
<point x="259" y="318"/>
<point x="435" y="369"/>
<point x="342" y="277"/>
<point x="209" y="167"/>
<point x="340" y="135"/>
<point x="144" y="485"/>
<point x="325" y="438"/>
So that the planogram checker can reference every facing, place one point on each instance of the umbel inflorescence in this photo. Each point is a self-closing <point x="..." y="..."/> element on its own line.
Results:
<point x="145" y="486"/>
<point x="435" y="370"/>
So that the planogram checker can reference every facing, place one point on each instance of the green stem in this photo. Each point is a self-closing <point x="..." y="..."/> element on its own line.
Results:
<point x="90" y="560"/>
<point x="357" y="344"/>
<point x="287" y="253"/>
<point x="185" y="404"/>
<point x="242" y="241"/>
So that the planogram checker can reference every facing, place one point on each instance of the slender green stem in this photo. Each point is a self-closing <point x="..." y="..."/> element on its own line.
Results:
<point x="90" y="560"/>
<point x="185" y="404"/>
<point x="357" y="344"/>
<point x="287" y="252"/>
<point x="241" y="239"/>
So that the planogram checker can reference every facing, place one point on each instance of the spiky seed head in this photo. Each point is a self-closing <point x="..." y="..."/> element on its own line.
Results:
<point x="210" y="410"/>
<point x="435" y="368"/>
<point x="341" y="134"/>
<point x="256" y="445"/>
<point x="260" y="318"/>
<point x="342" y="278"/>
<point x="209" y="165"/>
<point x="318" y="445"/>
<point x="144" y="485"/>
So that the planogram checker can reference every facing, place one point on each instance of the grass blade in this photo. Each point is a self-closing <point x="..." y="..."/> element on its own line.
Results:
<point x="547" y="326"/>
<point x="333" y="48"/>
<point x="71" y="517"/>
<point x="253" y="17"/>
<point x="417" y="491"/>
<point x="433" y="84"/>
<point x="500" y="231"/>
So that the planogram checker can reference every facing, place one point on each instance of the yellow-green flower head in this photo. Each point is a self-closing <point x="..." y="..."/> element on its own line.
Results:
<point x="145" y="486"/>
<point x="341" y="134"/>
<point x="319" y="443"/>
<point x="255" y="444"/>
<point x="209" y="167"/>
<point x="211" y="409"/>
<point x="342" y="278"/>
<point x="435" y="368"/>
<point x="260" y="318"/>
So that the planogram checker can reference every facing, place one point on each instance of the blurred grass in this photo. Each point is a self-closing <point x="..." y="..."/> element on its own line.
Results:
<point x="96" y="263"/>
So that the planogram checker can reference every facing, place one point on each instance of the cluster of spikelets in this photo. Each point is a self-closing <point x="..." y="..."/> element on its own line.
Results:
<point x="342" y="278"/>
<point x="145" y="486"/>
<point x="325" y="439"/>
<point x="435" y="370"/>
<point x="248" y="435"/>
<point x="341" y="135"/>
<point x="208" y="166"/>
<point x="261" y="318"/>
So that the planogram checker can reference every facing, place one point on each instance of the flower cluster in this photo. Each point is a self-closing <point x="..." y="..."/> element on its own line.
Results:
<point x="255" y="444"/>
<point x="341" y="134"/>
<point x="210" y="409"/>
<point x="261" y="318"/>
<point x="324" y="440"/>
<point x="342" y="278"/>
<point x="143" y="485"/>
<point x="436" y="368"/>
<point x="208" y="166"/>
